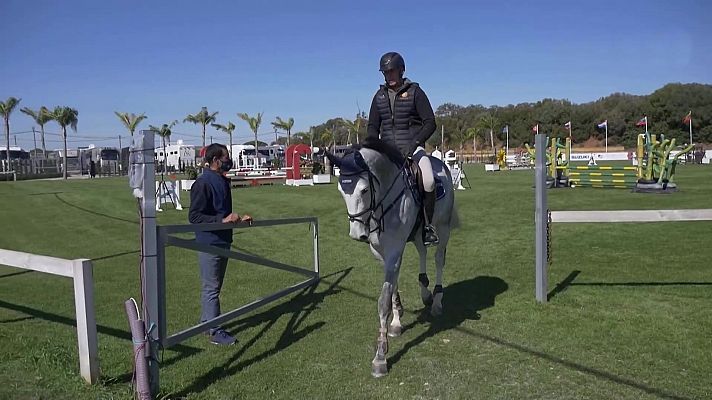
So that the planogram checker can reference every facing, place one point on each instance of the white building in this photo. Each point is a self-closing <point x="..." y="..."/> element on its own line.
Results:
<point x="177" y="154"/>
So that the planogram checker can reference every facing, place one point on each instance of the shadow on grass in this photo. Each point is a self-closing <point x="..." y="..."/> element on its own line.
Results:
<point x="574" y="365"/>
<point x="56" y="195"/>
<point x="183" y="350"/>
<point x="299" y="308"/>
<point x="461" y="301"/>
<point x="123" y="253"/>
<point x="563" y="285"/>
<point x="44" y="193"/>
<point x="492" y="287"/>
<point x="569" y="281"/>
<point x="15" y="273"/>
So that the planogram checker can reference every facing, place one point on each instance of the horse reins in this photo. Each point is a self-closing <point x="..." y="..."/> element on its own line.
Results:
<point x="375" y="206"/>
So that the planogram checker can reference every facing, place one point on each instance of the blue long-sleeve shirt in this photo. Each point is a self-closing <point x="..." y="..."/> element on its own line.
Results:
<point x="210" y="202"/>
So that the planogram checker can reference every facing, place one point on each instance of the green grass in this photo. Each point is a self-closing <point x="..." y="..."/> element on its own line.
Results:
<point x="633" y="323"/>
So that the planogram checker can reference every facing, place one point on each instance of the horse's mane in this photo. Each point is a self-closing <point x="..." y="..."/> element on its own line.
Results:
<point x="382" y="147"/>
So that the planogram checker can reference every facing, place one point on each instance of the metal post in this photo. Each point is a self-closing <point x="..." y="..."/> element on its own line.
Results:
<point x="34" y="140"/>
<point x="442" y="142"/>
<point x="540" y="218"/>
<point x="149" y="269"/>
<point x="606" y="136"/>
<point x="315" y="227"/>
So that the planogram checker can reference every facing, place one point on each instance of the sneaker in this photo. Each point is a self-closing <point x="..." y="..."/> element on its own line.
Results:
<point x="430" y="237"/>
<point x="222" y="338"/>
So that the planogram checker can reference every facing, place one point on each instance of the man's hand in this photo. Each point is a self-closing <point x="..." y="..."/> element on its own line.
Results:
<point x="231" y="219"/>
<point x="246" y="218"/>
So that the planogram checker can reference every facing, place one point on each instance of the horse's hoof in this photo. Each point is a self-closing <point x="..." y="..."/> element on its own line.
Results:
<point x="379" y="368"/>
<point x="394" y="330"/>
<point x="436" y="311"/>
<point x="428" y="301"/>
<point x="426" y="296"/>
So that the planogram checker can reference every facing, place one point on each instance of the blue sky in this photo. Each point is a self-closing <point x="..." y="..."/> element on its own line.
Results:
<point x="313" y="60"/>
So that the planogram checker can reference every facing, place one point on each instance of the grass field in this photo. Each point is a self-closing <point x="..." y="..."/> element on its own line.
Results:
<point x="631" y="320"/>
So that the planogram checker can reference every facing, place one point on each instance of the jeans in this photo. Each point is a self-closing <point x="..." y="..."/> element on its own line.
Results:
<point x="212" y="274"/>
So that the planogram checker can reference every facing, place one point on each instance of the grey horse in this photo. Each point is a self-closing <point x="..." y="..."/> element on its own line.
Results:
<point x="383" y="210"/>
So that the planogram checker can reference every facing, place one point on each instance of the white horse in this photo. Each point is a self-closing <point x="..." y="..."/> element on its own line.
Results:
<point x="384" y="211"/>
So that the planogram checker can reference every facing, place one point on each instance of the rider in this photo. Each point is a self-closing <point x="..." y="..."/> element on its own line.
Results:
<point x="401" y="115"/>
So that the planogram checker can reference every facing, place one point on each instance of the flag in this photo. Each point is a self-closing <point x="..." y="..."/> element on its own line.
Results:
<point x="535" y="129"/>
<point x="505" y="129"/>
<point x="603" y="124"/>
<point x="688" y="118"/>
<point x="567" y="125"/>
<point x="643" y="121"/>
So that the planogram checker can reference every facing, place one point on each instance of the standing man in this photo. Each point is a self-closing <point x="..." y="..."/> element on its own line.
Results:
<point x="401" y="115"/>
<point x="211" y="202"/>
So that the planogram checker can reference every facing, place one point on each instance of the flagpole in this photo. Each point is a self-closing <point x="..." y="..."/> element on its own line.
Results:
<point x="690" y="129"/>
<point x="646" y="126"/>
<point x="570" y="140"/>
<point x="606" y="136"/>
<point x="506" y="151"/>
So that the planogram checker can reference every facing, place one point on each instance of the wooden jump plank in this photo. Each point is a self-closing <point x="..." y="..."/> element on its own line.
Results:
<point x="632" y="215"/>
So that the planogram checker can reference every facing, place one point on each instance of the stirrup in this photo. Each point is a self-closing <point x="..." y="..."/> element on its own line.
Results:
<point x="430" y="237"/>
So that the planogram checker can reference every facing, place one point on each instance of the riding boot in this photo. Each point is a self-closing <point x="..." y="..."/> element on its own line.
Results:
<point x="430" y="236"/>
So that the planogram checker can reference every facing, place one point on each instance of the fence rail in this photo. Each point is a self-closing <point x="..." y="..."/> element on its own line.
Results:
<point x="80" y="271"/>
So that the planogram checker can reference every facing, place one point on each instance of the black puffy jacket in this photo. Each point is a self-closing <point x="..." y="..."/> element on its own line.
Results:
<point x="411" y="122"/>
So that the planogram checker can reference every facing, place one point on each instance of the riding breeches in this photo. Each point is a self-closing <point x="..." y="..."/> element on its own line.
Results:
<point x="426" y="169"/>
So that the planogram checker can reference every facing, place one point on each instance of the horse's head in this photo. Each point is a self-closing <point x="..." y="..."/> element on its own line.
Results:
<point x="357" y="187"/>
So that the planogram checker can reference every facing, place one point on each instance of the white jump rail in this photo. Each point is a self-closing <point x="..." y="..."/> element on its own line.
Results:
<point x="632" y="216"/>
<point x="599" y="216"/>
<point x="80" y="271"/>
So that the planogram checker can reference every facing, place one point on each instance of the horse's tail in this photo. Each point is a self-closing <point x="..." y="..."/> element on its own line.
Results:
<point x="454" y="217"/>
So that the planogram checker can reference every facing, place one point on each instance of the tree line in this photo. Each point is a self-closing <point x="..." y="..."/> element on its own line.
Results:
<point x="478" y="125"/>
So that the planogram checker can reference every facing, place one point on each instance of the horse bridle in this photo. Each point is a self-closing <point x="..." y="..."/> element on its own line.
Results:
<point x="374" y="205"/>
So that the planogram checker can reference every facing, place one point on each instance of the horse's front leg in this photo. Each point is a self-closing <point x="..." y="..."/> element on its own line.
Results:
<point x="391" y="268"/>
<point x="437" y="307"/>
<point x="423" y="281"/>
<point x="395" y="328"/>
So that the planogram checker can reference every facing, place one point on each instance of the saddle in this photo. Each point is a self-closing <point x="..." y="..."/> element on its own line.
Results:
<point x="415" y="181"/>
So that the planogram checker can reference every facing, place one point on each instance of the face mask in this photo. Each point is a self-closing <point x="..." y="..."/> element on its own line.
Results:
<point x="226" y="165"/>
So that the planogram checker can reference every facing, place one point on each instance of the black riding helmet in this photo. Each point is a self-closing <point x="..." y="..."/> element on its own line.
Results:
<point x="392" y="60"/>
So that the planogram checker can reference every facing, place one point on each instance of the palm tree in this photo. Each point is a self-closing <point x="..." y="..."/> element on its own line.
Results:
<point x="327" y="137"/>
<point x="471" y="133"/>
<point x="41" y="117"/>
<point x="227" y="128"/>
<point x="488" y="122"/>
<point x="65" y="116"/>
<point x="203" y="118"/>
<point x="165" y="133"/>
<point x="6" y="108"/>
<point x="353" y="127"/>
<point x="254" y="123"/>
<point x="130" y="120"/>
<point x="287" y="126"/>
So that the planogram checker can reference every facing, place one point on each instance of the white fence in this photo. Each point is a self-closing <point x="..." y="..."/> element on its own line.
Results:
<point x="81" y="272"/>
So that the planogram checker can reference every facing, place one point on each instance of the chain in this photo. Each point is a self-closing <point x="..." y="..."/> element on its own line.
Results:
<point x="548" y="236"/>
